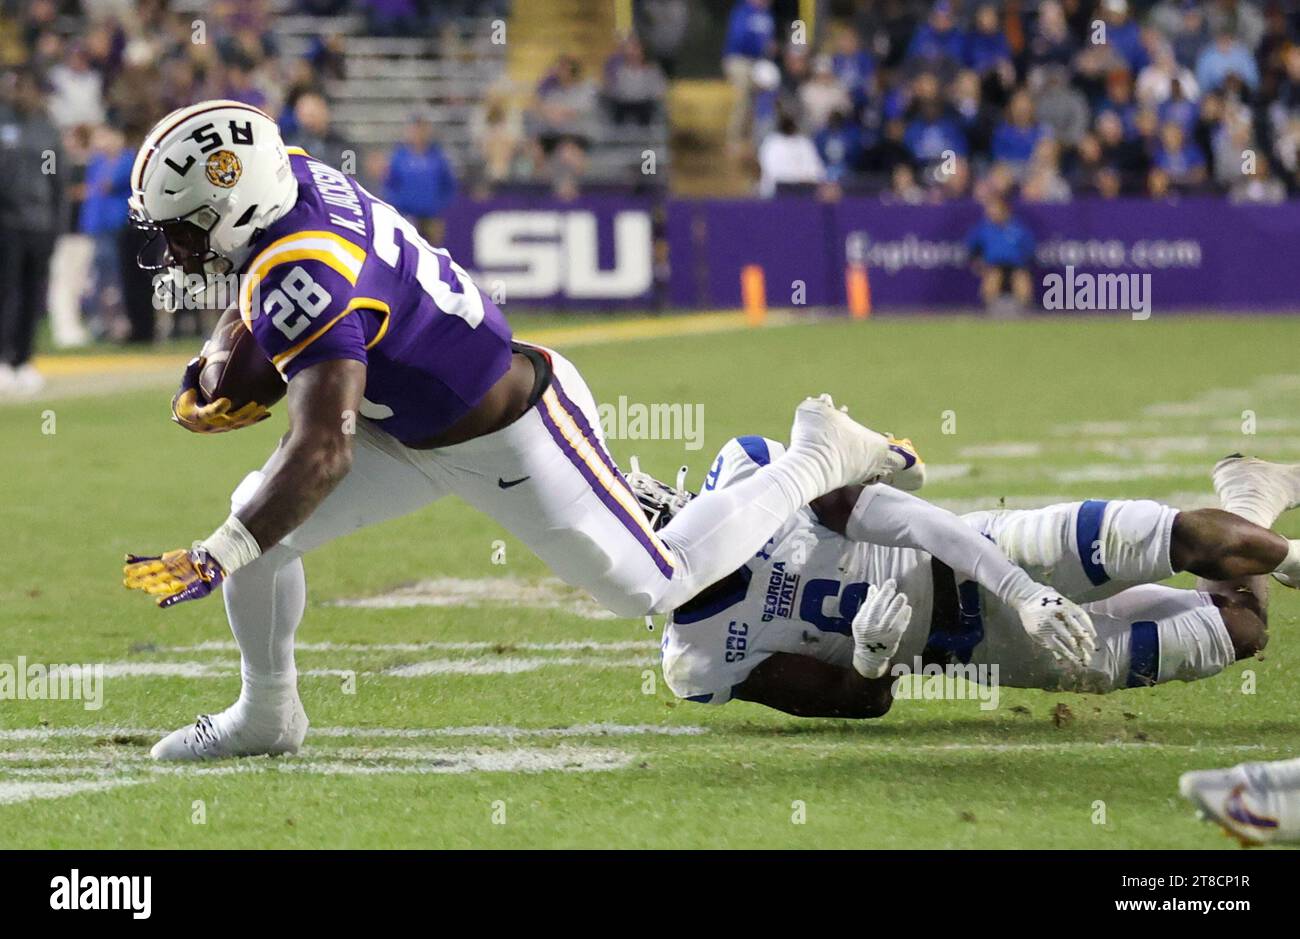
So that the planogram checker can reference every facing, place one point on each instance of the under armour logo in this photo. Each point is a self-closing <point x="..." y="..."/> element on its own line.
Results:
<point x="875" y="647"/>
<point x="1048" y="601"/>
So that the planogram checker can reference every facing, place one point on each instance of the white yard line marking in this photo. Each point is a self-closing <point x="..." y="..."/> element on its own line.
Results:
<point x="1001" y="450"/>
<point x="497" y="730"/>
<point x="947" y="472"/>
<point x="573" y="645"/>
<point x="412" y="733"/>
<point x="1063" y="745"/>
<point x="14" y="792"/>
<point x="340" y="762"/>
<point x="1122" y="472"/>
<point x="1152" y="428"/>
<point x="547" y="594"/>
<point x="1181" y="499"/>
<point x="503" y="665"/>
<point x="167" y="670"/>
<point x="477" y="665"/>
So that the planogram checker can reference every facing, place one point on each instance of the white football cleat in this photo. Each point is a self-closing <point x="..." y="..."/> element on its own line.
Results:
<point x="909" y="474"/>
<point x="1256" y="489"/>
<point x="1260" y="491"/>
<point x="1256" y="803"/>
<point x="837" y="448"/>
<point x="224" y="735"/>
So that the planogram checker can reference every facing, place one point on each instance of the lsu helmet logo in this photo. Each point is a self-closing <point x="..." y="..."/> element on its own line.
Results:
<point x="223" y="169"/>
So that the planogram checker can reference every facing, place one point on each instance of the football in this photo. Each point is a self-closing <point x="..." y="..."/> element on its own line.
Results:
<point x="236" y="368"/>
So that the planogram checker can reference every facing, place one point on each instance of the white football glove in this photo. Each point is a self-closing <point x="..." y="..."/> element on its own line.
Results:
<point x="1059" y="625"/>
<point x="878" y="628"/>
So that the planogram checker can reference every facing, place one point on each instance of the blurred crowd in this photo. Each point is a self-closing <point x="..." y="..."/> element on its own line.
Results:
<point x="569" y="114"/>
<point x="942" y="99"/>
<point x="84" y="80"/>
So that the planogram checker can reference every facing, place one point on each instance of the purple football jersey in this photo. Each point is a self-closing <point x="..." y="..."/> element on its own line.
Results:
<point x="344" y="276"/>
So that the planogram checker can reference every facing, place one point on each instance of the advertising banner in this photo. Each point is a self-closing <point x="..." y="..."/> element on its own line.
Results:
<point x="632" y="252"/>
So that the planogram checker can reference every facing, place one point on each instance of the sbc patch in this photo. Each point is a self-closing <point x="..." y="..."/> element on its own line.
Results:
<point x="223" y="169"/>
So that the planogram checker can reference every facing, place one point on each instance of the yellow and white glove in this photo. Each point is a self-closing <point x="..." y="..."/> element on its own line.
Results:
<point x="173" y="576"/>
<point x="878" y="628"/>
<point x="210" y="417"/>
<point x="176" y="576"/>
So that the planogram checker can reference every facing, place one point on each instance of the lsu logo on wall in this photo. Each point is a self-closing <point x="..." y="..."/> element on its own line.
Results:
<point x="564" y="255"/>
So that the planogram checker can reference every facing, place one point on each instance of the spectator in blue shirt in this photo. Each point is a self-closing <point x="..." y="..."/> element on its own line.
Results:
<point x="986" y="47"/>
<point x="933" y="132"/>
<point x="1124" y="35"/>
<point x="1016" y="137"/>
<point x="1119" y="101"/>
<point x="1178" y="109"/>
<point x="1179" y="160"/>
<point x="104" y="219"/>
<point x="927" y="138"/>
<point x="750" y="29"/>
<point x="839" y="144"/>
<point x="937" y="44"/>
<point x="854" y="66"/>
<point x="1002" y="251"/>
<point x="751" y="38"/>
<point x="420" y="183"/>
<point x="1050" y="43"/>
<point x="1226" y="56"/>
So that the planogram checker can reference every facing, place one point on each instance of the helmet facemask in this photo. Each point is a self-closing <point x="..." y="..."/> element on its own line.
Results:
<point x="207" y="181"/>
<point x="659" y="501"/>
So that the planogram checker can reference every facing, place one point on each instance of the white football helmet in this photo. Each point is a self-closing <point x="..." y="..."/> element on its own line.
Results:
<point x="207" y="181"/>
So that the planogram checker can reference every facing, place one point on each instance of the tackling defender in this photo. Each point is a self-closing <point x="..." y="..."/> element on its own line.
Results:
<point x="811" y="622"/>
<point x="362" y="317"/>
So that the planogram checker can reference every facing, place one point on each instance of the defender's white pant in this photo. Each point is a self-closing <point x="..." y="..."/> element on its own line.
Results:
<point x="1087" y="550"/>
<point x="1107" y="555"/>
<point x="1146" y="635"/>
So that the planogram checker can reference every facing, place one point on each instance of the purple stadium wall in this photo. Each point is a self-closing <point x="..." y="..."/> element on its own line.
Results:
<point x="599" y="251"/>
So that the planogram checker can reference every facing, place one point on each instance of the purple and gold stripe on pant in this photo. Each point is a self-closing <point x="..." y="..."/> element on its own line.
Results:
<point x="573" y="433"/>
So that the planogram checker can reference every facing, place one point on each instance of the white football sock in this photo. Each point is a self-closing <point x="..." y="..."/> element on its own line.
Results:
<point x="1283" y="774"/>
<point x="1253" y="507"/>
<point x="717" y="533"/>
<point x="1257" y="491"/>
<point x="265" y="601"/>
<point x="1290" y="566"/>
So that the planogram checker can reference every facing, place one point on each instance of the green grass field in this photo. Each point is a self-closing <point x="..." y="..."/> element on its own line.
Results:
<point x="472" y="724"/>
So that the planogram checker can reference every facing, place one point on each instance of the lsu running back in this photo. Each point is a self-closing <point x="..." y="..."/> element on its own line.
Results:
<point x="366" y="320"/>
